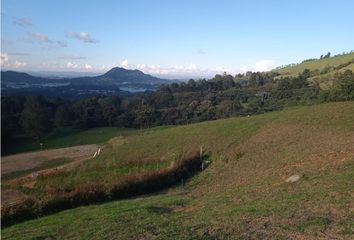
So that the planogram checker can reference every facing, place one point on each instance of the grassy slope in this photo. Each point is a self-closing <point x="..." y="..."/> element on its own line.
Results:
<point x="66" y="137"/>
<point x="325" y="80"/>
<point x="317" y="64"/>
<point x="242" y="194"/>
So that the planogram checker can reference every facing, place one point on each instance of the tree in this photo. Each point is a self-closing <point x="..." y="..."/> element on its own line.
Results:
<point x="62" y="116"/>
<point x="111" y="109"/>
<point x="344" y="86"/>
<point x="35" y="117"/>
<point x="163" y="97"/>
<point x="305" y="74"/>
<point x="88" y="113"/>
<point x="328" y="55"/>
<point x="11" y="108"/>
<point x="145" y="116"/>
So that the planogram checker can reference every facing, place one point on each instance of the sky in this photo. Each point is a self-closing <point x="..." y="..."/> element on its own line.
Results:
<point x="171" y="38"/>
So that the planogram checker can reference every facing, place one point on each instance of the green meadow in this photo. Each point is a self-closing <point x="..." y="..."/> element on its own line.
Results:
<point x="242" y="194"/>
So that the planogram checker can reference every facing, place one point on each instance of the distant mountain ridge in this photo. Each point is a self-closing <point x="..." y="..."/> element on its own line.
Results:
<point x="115" y="81"/>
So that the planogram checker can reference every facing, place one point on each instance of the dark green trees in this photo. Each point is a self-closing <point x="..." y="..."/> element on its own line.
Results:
<point x="343" y="86"/>
<point x="178" y="103"/>
<point x="63" y="116"/>
<point x="11" y="108"/>
<point x="36" y="117"/>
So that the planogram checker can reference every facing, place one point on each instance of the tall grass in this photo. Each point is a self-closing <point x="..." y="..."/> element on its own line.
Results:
<point x="132" y="185"/>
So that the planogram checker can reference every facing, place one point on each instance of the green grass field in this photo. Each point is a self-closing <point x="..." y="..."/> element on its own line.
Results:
<point x="68" y="137"/>
<point x="325" y="80"/>
<point x="317" y="64"/>
<point x="241" y="195"/>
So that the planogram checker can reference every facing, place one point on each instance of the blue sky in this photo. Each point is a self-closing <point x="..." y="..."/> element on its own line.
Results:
<point x="171" y="38"/>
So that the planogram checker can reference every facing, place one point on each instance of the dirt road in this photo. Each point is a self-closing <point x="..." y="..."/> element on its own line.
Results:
<point x="26" y="161"/>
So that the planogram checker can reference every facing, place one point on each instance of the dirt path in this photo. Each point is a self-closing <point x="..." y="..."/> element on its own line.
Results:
<point x="11" y="196"/>
<point x="26" y="161"/>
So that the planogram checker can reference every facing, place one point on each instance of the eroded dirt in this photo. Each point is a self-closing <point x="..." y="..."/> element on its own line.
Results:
<point x="25" y="161"/>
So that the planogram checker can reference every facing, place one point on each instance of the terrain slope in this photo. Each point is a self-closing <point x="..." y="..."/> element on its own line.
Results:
<point x="280" y="175"/>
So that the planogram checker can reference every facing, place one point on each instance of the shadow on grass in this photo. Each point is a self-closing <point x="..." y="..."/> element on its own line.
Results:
<point x="134" y="185"/>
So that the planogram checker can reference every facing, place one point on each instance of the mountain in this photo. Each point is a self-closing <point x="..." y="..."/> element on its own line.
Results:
<point x="115" y="81"/>
<point x="21" y="78"/>
<point x="123" y="75"/>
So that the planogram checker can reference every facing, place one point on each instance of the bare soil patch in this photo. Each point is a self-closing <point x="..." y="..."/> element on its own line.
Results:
<point x="26" y="161"/>
<point x="9" y="196"/>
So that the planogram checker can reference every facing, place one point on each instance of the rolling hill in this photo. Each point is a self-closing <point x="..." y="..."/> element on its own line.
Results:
<point x="322" y="70"/>
<point x="280" y="175"/>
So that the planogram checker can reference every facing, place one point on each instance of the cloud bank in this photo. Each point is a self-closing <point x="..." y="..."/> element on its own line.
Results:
<point x="6" y="62"/>
<point x="193" y="70"/>
<point x="183" y="71"/>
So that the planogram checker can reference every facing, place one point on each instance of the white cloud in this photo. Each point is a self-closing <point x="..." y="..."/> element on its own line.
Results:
<point x="4" y="59"/>
<point x="19" y="64"/>
<point x="103" y="68"/>
<point x="260" y="66"/>
<point x="23" y="22"/>
<point x="190" y="70"/>
<point x="192" y="66"/>
<point x="263" y="65"/>
<point x="82" y="36"/>
<point x="87" y="66"/>
<point x="244" y="69"/>
<point x="124" y="64"/>
<point x="141" y="66"/>
<point x="72" y="65"/>
<point x="8" y="63"/>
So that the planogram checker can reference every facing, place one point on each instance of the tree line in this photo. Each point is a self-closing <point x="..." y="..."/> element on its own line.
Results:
<point x="177" y="103"/>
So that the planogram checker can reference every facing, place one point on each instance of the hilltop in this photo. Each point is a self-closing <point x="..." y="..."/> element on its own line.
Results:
<point x="244" y="193"/>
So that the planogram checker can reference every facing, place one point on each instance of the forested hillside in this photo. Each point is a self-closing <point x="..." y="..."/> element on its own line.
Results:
<point x="178" y="103"/>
